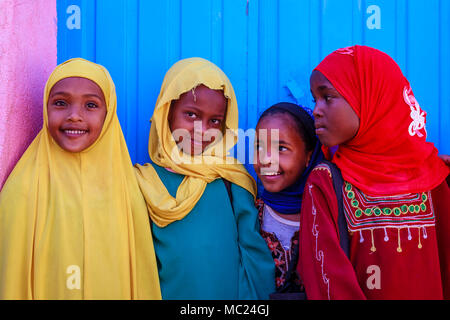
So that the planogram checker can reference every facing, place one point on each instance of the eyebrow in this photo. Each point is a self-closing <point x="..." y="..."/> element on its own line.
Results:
<point x="280" y="142"/>
<point x="63" y="93"/>
<point x="59" y="93"/>
<point x="283" y="142"/>
<point x="324" y="87"/>
<point x="201" y="111"/>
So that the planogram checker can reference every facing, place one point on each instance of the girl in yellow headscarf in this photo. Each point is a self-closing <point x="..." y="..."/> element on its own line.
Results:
<point x="73" y="223"/>
<point x="207" y="241"/>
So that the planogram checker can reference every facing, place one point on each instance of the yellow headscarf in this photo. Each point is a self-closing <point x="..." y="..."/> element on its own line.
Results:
<point x="75" y="225"/>
<point x="214" y="163"/>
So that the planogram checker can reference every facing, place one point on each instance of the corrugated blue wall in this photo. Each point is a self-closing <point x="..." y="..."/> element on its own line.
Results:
<point x="267" y="48"/>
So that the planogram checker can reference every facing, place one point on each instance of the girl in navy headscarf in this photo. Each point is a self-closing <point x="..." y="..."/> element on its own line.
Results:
<point x="286" y="151"/>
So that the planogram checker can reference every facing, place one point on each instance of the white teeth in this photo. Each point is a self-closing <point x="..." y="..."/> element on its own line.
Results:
<point x="75" y="131"/>
<point x="270" y="173"/>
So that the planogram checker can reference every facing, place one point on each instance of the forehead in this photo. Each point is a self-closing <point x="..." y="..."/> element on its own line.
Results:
<point x="319" y="81"/>
<point x="284" y="122"/>
<point x="204" y="98"/>
<point x="77" y="86"/>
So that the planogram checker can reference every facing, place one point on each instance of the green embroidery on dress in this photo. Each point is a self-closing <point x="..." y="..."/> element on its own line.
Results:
<point x="397" y="211"/>
<point x="377" y="211"/>
<point x="348" y="187"/>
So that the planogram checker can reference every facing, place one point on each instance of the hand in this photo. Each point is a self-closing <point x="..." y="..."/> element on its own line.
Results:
<point x="446" y="159"/>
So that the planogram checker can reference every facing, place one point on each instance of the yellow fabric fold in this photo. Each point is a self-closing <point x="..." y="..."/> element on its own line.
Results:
<point x="75" y="225"/>
<point x="199" y="170"/>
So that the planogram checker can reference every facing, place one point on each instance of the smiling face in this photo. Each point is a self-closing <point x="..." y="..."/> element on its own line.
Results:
<point x="197" y="118"/>
<point x="280" y="152"/>
<point x="76" y="111"/>
<point x="335" y="120"/>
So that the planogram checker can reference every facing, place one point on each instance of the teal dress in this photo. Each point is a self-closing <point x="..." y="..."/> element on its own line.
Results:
<point x="213" y="253"/>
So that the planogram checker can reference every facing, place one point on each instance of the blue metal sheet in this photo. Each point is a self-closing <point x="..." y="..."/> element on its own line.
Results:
<point x="267" y="48"/>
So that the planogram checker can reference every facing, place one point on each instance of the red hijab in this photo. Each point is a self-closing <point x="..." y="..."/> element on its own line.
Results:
<point x="389" y="154"/>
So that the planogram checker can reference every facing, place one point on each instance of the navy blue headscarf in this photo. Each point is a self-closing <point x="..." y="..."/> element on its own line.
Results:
<point x="289" y="200"/>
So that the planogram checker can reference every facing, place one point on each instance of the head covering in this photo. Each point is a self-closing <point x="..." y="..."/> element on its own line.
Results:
<point x="289" y="200"/>
<point x="389" y="154"/>
<point x="199" y="170"/>
<point x="75" y="225"/>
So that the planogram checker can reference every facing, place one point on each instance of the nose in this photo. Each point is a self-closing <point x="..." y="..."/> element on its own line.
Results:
<point x="75" y="113"/>
<point x="203" y="129"/>
<point x="265" y="157"/>
<point x="317" y="112"/>
<point x="199" y="128"/>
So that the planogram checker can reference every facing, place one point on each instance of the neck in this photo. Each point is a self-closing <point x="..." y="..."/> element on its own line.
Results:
<point x="290" y="217"/>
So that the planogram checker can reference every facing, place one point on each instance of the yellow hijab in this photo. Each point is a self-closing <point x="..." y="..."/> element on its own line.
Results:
<point x="75" y="225"/>
<point x="199" y="170"/>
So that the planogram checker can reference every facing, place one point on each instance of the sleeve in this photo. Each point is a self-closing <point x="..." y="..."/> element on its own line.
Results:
<point x="257" y="272"/>
<point x="441" y="203"/>
<point x="16" y="245"/>
<point x="323" y="266"/>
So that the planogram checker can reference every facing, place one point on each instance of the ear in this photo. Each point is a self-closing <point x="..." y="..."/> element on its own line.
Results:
<point x="308" y="157"/>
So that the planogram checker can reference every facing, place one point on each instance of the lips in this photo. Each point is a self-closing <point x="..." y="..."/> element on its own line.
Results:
<point x="270" y="176"/>
<point x="74" y="132"/>
<point x="200" y="142"/>
<point x="319" y="128"/>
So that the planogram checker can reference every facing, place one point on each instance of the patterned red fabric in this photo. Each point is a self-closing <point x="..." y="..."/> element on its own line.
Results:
<point x="389" y="154"/>
<point x="393" y="255"/>
<point x="280" y="255"/>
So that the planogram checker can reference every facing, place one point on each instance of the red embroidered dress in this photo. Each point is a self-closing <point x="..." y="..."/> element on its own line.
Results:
<point x="394" y="251"/>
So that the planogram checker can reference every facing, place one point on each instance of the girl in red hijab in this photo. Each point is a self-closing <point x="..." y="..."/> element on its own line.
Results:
<point x="396" y="202"/>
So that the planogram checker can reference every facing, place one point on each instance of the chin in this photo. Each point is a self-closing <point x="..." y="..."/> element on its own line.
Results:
<point x="272" y="188"/>
<point x="326" y="143"/>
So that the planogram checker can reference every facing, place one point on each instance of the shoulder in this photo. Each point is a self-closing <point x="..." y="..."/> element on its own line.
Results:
<point x="241" y="192"/>
<point x="321" y="176"/>
<point x="319" y="186"/>
<point x="322" y="169"/>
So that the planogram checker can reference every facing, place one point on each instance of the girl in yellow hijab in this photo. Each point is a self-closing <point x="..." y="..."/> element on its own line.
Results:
<point x="73" y="223"/>
<point x="207" y="241"/>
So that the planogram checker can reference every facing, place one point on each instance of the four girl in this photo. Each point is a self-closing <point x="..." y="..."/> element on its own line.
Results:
<point x="78" y="222"/>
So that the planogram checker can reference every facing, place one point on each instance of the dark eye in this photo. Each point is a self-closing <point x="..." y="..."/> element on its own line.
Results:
<point x="282" y="148"/>
<point x="216" y="121"/>
<point x="91" y="105"/>
<point x="191" y="114"/>
<point x="328" y="98"/>
<point x="60" y="103"/>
